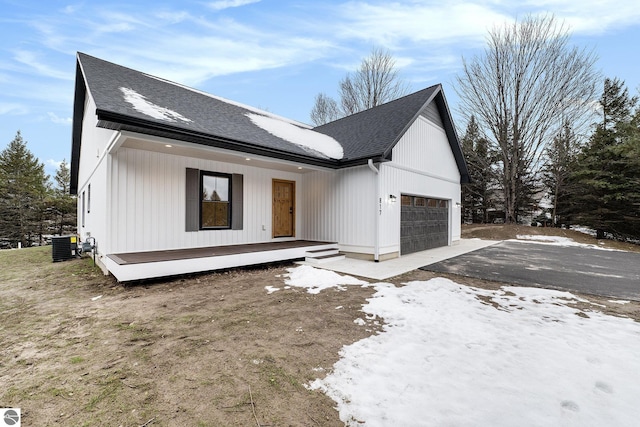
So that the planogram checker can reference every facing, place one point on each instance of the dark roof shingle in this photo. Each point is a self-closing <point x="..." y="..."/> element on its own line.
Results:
<point x="374" y="132"/>
<point x="187" y="114"/>
<point x="207" y="115"/>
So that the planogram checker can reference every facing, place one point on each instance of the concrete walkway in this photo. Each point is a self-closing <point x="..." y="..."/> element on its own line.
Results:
<point x="394" y="267"/>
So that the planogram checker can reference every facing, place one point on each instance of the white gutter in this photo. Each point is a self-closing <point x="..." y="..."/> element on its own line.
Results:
<point x="376" y="234"/>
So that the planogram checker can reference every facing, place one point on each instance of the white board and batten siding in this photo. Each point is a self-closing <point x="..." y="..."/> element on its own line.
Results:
<point x="148" y="196"/>
<point x="340" y="206"/>
<point x="423" y="165"/>
<point x="92" y="179"/>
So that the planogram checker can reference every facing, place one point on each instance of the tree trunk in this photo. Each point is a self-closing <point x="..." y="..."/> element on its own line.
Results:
<point x="555" y="205"/>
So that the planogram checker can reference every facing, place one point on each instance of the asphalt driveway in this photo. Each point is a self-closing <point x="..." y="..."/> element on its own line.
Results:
<point x="613" y="274"/>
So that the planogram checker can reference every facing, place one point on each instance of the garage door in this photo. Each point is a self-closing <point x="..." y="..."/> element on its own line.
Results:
<point x="424" y="224"/>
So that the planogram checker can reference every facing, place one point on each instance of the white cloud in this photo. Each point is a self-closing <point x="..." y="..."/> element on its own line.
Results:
<point x="38" y="66"/>
<point x="172" y="17"/>
<point x="114" y="22"/>
<point x="71" y="9"/>
<point x="590" y="16"/>
<point x="13" y="109"/>
<point x="393" y="24"/>
<point x="55" y="164"/>
<point x="176" y="44"/>
<point x="203" y="57"/>
<point x="59" y="120"/>
<point x="226" y="4"/>
<point x="390" y="24"/>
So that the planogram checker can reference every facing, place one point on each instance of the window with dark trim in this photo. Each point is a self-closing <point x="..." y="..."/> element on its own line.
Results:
<point x="221" y="208"/>
<point x="89" y="199"/>
<point x="83" y="206"/>
<point x="215" y="200"/>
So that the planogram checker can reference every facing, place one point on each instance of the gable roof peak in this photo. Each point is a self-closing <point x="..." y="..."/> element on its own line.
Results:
<point x="434" y="88"/>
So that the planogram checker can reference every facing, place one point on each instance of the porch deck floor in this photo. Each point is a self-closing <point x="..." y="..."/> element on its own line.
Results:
<point x="210" y="251"/>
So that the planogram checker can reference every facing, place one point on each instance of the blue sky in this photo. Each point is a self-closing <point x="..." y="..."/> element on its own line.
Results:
<point x="275" y="55"/>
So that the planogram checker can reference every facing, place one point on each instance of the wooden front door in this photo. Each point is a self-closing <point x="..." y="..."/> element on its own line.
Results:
<point x="284" y="202"/>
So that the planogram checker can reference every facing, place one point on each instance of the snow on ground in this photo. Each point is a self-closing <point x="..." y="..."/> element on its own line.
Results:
<point x="584" y="230"/>
<point x="557" y="241"/>
<point x="315" y="280"/>
<point x="620" y="301"/>
<point x="141" y="104"/>
<point x="308" y="138"/>
<point x="461" y="356"/>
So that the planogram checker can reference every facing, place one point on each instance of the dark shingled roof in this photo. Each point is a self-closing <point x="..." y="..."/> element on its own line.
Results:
<point x="213" y="121"/>
<point x="375" y="131"/>
<point x="208" y="115"/>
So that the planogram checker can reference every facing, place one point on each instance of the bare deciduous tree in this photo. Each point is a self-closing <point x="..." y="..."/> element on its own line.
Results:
<point x="528" y="82"/>
<point x="325" y="110"/>
<point x="376" y="81"/>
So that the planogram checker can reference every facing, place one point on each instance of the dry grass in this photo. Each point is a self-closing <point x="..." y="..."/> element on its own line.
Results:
<point x="207" y="350"/>
<point x="505" y="232"/>
<point x="183" y="351"/>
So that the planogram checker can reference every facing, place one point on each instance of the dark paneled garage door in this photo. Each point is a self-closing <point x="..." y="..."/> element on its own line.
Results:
<point x="424" y="224"/>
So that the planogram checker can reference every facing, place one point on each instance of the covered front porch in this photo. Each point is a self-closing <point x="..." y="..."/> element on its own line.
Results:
<point x="152" y="264"/>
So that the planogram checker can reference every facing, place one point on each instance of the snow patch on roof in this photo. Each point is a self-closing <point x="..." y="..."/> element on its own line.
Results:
<point x="303" y="137"/>
<point x="141" y="104"/>
<point x="230" y="102"/>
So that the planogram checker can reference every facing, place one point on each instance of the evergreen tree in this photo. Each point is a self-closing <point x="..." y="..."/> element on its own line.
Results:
<point x="616" y="104"/>
<point x="63" y="204"/>
<point x="556" y="171"/>
<point x="606" y="178"/>
<point x="23" y="186"/>
<point x="476" y="196"/>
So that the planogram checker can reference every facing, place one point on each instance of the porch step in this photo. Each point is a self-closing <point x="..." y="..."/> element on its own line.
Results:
<point x="321" y="256"/>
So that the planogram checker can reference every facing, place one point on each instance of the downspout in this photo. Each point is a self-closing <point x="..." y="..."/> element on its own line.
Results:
<point x="376" y="234"/>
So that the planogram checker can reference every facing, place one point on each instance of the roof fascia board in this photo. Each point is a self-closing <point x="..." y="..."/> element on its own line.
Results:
<point x="452" y="135"/>
<point x="79" y="100"/>
<point x="126" y="134"/>
<point x="115" y="121"/>
<point x="387" y="152"/>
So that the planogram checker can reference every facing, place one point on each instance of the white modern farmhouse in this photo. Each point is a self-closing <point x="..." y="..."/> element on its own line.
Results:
<point x="171" y="180"/>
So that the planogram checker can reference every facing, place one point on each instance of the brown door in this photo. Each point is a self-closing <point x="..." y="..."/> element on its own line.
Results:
<point x="284" y="202"/>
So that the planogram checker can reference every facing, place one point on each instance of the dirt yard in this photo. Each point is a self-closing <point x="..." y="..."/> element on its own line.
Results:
<point x="504" y="232"/>
<point x="208" y="350"/>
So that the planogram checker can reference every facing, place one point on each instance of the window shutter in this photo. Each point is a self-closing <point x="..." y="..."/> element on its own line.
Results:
<point x="192" y="200"/>
<point x="236" y="201"/>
